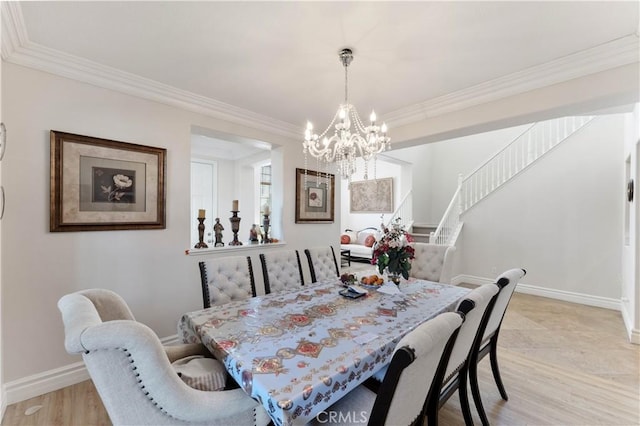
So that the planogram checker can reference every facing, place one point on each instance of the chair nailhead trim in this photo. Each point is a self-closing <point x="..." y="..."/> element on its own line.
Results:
<point x="142" y="387"/>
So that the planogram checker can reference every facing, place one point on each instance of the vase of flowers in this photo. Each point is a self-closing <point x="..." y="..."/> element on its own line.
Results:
<point x="393" y="252"/>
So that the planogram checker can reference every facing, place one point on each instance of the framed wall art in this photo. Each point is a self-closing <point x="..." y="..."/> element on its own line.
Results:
<point x="100" y="184"/>
<point x="315" y="196"/>
<point x="371" y="196"/>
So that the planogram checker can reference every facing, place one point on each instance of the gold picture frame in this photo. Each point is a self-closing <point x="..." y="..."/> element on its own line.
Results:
<point x="371" y="196"/>
<point x="315" y="197"/>
<point x="102" y="185"/>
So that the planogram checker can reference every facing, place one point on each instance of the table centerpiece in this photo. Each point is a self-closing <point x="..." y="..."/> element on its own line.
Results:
<point x="393" y="252"/>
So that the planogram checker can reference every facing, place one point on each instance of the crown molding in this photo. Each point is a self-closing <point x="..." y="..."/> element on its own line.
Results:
<point x="17" y="49"/>
<point x="20" y="51"/>
<point x="613" y="54"/>
<point x="53" y="61"/>
<point x="14" y="33"/>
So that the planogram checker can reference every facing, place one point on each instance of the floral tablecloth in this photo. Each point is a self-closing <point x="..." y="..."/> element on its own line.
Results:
<point x="297" y="353"/>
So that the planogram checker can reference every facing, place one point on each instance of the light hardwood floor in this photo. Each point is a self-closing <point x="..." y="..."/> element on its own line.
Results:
<point x="562" y="364"/>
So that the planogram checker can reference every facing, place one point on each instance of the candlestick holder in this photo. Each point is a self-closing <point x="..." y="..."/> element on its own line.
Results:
<point x="235" y="227"/>
<point x="265" y="226"/>
<point x="201" y="243"/>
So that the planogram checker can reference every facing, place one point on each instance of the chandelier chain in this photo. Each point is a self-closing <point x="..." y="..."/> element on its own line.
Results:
<point x="346" y="85"/>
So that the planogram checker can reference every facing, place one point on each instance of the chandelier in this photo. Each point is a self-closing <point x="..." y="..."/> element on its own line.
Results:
<point x="347" y="142"/>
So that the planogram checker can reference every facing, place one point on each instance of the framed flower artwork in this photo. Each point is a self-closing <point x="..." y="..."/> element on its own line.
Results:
<point x="100" y="184"/>
<point x="315" y="196"/>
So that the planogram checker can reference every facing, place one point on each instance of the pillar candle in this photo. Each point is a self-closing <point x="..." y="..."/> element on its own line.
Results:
<point x="201" y="213"/>
<point x="235" y="206"/>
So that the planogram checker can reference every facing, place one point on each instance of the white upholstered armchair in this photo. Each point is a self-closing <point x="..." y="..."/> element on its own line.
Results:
<point x="432" y="262"/>
<point x="132" y="371"/>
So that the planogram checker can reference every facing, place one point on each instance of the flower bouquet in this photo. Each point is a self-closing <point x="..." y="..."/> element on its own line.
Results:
<point x="393" y="252"/>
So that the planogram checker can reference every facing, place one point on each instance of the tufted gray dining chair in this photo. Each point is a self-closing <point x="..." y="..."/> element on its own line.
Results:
<point x="322" y="263"/>
<point x="432" y="262"/>
<point x="281" y="270"/>
<point x="132" y="371"/>
<point x="507" y="282"/>
<point x="225" y="279"/>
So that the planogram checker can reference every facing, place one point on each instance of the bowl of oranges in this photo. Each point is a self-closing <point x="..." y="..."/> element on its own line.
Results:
<point x="371" y="281"/>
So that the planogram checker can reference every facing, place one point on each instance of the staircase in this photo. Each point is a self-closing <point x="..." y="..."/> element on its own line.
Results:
<point x="404" y="212"/>
<point x="532" y="144"/>
<point x="422" y="232"/>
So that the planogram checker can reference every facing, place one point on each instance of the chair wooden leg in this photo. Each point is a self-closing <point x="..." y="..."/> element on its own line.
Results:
<point x="475" y="391"/>
<point x="431" y="407"/>
<point x="464" y="397"/>
<point x="432" y="418"/>
<point x="495" y="369"/>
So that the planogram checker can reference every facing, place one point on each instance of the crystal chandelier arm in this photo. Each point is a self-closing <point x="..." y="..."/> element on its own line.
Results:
<point x="356" y="119"/>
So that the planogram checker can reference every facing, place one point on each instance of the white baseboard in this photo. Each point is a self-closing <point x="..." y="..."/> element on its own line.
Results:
<point x="171" y="340"/>
<point x="633" y="333"/>
<point x="49" y="381"/>
<point x="470" y="279"/>
<point x="52" y="380"/>
<point x="567" y="296"/>
<point x="3" y="401"/>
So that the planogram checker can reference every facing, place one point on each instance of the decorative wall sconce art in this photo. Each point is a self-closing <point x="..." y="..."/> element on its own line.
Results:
<point x="2" y="201"/>
<point x="3" y="145"/>
<point x="3" y="139"/>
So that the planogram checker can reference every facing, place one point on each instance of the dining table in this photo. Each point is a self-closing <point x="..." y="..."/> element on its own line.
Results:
<point x="299" y="352"/>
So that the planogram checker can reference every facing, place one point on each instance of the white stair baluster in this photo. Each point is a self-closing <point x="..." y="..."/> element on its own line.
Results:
<point x="537" y="140"/>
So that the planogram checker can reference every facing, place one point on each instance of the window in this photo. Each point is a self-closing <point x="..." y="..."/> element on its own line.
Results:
<point x="224" y="168"/>
<point x="203" y="196"/>
<point x="264" y="188"/>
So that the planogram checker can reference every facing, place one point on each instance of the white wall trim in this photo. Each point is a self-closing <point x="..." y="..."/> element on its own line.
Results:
<point x="52" y="380"/>
<point x="48" y="381"/>
<point x="614" y="54"/>
<point x="633" y="333"/>
<point x="55" y="62"/>
<point x="14" y="33"/>
<point x="535" y="290"/>
<point x="19" y="50"/>
<point x="171" y="340"/>
<point x="3" y="401"/>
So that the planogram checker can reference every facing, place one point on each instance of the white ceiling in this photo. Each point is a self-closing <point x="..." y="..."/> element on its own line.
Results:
<point x="279" y="59"/>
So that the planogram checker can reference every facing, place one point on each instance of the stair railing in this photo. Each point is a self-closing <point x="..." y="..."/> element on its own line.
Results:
<point x="449" y="226"/>
<point x="533" y="143"/>
<point x="404" y="211"/>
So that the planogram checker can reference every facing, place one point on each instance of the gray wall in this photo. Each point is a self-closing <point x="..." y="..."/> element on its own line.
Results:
<point x="561" y="219"/>
<point x="148" y="268"/>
